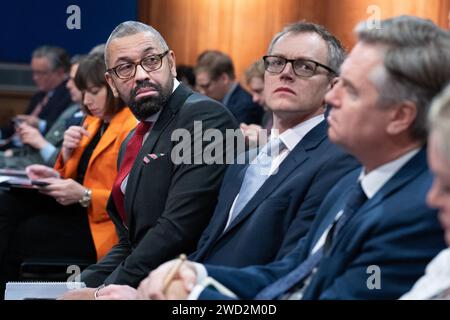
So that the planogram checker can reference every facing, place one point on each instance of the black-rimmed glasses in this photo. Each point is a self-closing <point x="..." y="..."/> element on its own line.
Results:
<point x="302" y="67"/>
<point x="149" y="64"/>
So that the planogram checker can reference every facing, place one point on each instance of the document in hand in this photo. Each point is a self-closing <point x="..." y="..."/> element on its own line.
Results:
<point x="10" y="178"/>
<point x="39" y="290"/>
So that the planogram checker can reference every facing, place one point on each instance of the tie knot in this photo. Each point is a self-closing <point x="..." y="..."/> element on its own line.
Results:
<point x="142" y="128"/>
<point x="274" y="147"/>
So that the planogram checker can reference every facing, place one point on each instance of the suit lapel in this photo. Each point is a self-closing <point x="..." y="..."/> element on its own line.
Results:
<point x="168" y="113"/>
<point x="408" y="172"/>
<point x="294" y="160"/>
<point x="110" y="134"/>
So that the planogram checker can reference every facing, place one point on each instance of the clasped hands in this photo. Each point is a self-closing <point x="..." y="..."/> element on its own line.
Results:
<point x="154" y="287"/>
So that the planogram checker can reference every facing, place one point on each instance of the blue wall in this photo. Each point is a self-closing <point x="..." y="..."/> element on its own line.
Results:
<point x="26" y="24"/>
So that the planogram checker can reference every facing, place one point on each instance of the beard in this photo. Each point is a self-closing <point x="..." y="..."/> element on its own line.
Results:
<point x="147" y="106"/>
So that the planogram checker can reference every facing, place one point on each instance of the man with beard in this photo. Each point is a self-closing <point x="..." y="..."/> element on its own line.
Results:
<point x="159" y="205"/>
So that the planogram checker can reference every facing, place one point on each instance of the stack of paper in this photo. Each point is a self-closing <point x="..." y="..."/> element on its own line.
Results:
<point x="39" y="290"/>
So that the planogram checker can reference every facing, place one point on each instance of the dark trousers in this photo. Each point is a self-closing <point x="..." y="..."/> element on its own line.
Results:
<point x="33" y="225"/>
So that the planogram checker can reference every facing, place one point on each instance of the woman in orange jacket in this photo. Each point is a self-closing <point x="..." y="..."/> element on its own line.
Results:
<point x="35" y="225"/>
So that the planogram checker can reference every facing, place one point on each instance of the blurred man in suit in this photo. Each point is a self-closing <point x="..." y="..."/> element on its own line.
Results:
<point x="50" y="66"/>
<point x="374" y="233"/>
<point x="215" y="77"/>
<point x="160" y="205"/>
<point x="44" y="149"/>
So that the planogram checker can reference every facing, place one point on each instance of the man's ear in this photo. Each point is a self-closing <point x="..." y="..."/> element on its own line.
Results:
<point x="402" y="117"/>
<point x="172" y="63"/>
<point x="111" y="84"/>
<point x="225" y="78"/>
<point x="332" y="83"/>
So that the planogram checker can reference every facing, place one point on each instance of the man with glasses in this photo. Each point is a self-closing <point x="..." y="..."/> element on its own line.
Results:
<point x="264" y="211"/>
<point x="373" y="234"/>
<point x="159" y="203"/>
<point x="215" y="77"/>
<point x="50" y="67"/>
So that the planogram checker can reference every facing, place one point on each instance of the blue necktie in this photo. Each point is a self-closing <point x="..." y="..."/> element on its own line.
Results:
<point x="356" y="199"/>
<point x="257" y="173"/>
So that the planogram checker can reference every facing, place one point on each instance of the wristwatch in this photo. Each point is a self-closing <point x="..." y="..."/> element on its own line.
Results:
<point x="85" y="201"/>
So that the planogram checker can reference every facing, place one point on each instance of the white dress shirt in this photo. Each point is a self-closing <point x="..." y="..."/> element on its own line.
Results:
<point x="371" y="183"/>
<point x="435" y="280"/>
<point x="290" y="138"/>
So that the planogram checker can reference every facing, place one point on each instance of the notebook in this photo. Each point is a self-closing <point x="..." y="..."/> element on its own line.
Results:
<point x="39" y="290"/>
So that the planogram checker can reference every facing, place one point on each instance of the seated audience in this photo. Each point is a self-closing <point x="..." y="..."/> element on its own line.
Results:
<point x="374" y="233"/>
<point x="215" y="77"/>
<point x="282" y="201"/>
<point x="39" y="149"/>
<point x="435" y="284"/>
<point x="67" y="219"/>
<point x="162" y="198"/>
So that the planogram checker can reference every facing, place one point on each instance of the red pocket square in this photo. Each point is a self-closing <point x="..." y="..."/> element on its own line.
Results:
<point x="152" y="156"/>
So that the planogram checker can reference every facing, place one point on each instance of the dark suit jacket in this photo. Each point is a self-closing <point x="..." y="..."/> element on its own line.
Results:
<point x="282" y="209"/>
<point x="58" y="102"/>
<point x="243" y="108"/>
<point x="168" y="205"/>
<point x="394" y="230"/>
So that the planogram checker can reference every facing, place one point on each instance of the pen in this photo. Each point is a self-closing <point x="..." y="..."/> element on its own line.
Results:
<point x="174" y="271"/>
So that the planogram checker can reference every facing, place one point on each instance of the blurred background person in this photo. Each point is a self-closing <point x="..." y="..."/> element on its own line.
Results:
<point x="435" y="284"/>
<point x="50" y="66"/>
<point x="215" y="77"/>
<point x="254" y="77"/>
<point x="186" y="75"/>
<point x="44" y="149"/>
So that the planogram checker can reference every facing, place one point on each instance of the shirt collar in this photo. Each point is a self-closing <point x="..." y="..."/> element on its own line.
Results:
<point x="372" y="182"/>
<point x="291" y="137"/>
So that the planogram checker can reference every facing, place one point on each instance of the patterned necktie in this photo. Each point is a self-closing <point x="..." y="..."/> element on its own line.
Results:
<point x="133" y="147"/>
<point x="257" y="173"/>
<point x="282" y="286"/>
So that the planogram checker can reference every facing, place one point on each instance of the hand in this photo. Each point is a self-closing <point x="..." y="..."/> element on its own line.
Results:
<point x="39" y="171"/>
<point x="80" y="294"/>
<point x="252" y="134"/>
<point x="65" y="191"/>
<point x="177" y="291"/>
<point x="30" y="120"/>
<point x="31" y="136"/>
<point x="152" y="287"/>
<point x="72" y="138"/>
<point x="117" y="292"/>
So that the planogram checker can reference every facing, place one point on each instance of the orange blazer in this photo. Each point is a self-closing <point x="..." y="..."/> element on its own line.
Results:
<point x="100" y="173"/>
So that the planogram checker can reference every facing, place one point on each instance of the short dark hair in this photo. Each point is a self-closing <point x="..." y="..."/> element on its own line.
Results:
<point x="336" y="52"/>
<point x="57" y="56"/>
<point x="215" y="63"/>
<point x="91" y="72"/>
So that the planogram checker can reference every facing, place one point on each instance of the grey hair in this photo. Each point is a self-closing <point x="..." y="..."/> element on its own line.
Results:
<point x="439" y="120"/>
<point x="129" y="28"/>
<point x="416" y="63"/>
<point x="56" y="56"/>
<point x="336" y="52"/>
<point x="98" y="49"/>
